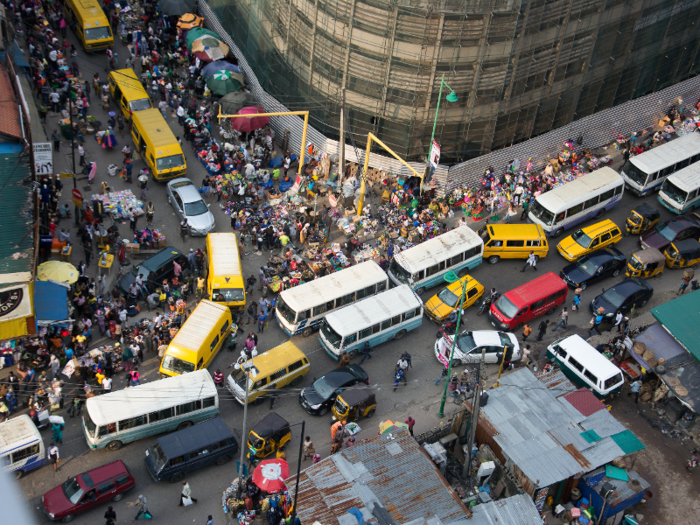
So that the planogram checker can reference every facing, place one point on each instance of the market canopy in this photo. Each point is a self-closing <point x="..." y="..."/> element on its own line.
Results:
<point x="208" y="48"/>
<point x="50" y="303"/>
<point x="224" y="82"/>
<point x="219" y="65"/>
<point x="251" y="123"/>
<point x="196" y="33"/>
<point x="189" y="21"/>
<point x="61" y="272"/>
<point x="680" y="318"/>
<point x="176" y="7"/>
<point x="270" y="474"/>
<point x="236" y="100"/>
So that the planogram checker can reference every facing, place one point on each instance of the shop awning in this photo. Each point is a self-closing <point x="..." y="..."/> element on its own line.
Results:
<point x="16" y="311"/>
<point x="20" y="59"/>
<point x="50" y="302"/>
<point x="682" y="376"/>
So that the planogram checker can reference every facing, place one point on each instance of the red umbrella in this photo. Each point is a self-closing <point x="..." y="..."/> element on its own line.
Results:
<point x="269" y="475"/>
<point x="252" y="123"/>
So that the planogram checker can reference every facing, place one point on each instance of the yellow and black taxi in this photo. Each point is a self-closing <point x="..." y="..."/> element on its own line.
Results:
<point x="441" y="305"/>
<point x="589" y="239"/>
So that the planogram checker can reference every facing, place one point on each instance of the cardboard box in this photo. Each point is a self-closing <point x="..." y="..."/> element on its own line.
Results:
<point x="133" y="248"/>
<point x="162" y="242"/>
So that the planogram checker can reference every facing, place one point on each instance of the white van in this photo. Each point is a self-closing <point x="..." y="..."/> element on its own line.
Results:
<point x="680" y="192"/>
<point x="585" y="366"/>
<point x="21" y="446"/>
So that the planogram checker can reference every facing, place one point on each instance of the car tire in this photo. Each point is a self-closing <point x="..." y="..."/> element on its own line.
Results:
<point x="259" y="401"/>
<point x="307" y="332"/>
<point x="583" y="286"/>
<point x="399" y="335"/>
<point x="370" y="413"/>
<point x="222" y="461"/>
<point x="323" y="411"/>
<point x="644" y="302"/>
<point x="184" y="425"/>
<point x="118" y="497"/>
<point x="420" y="291"/>
<point x="558" y="232"/>
<point x="616" y="273"/>
<point x="177" y="478"/>
<point x="599" y="213"/>
<point x="18" y="474"/>
<point x="296" y="381"/>
<point x="518" y="327"/>
<point x="494" y="259"/>
<point x="68" y="518"/>
<point x="551" y="310"/>
<point x="353" y="354"/>
<point x="114" y="445"/>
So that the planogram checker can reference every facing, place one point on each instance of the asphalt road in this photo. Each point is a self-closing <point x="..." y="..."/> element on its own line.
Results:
<point x="419" y="399"/>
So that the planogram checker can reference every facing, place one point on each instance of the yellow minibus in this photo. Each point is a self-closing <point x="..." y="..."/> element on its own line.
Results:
<point x="128" y="92"/>
<point x="157" y="145"/>
<point x="225" y="284"/>
<point x="90" y="24"/>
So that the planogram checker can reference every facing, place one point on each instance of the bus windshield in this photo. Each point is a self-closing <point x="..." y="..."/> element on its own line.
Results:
<point x="542" y="213"/>
<point x="285" y="311"/>
<point x="674" y="192"/>
<point x="170" y="162"/>
<point x="140" y="105"/>
<point x="331" y="335"/>
<point x="227" y="295"/>
<point x="399" y="272"/>
<point x="89" y="425"/>
<point x="158" y="456"/>
<point x="97" y="33"/>
<point x="635" y="174"/>
<point x="177" y="366"/>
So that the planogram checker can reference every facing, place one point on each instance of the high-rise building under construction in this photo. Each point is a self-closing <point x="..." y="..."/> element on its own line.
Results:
<point x="518" y="67"/>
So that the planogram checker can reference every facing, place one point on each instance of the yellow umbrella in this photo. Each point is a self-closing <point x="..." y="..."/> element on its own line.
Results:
<point x="62" y="272"/>
<point x="189" y="21"/>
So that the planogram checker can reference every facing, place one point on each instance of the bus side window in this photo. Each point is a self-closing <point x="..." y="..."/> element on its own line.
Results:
<point x="176" y="461"/>
<point x="185" y="408"/>
<point x="318" y="310"/>
<point x="421" y="275"/>
<point x="303" y="315"/>
<point x="456" y="259"/>
<point x="607" y="195"/>
<point x="433" y="270"/>
<point x="214" y="343"/>
<point x="330" y="305"/>
<point x="200" y="363"/>
<point x="209" y="402"/>
<point x="533" y="243"/>
<point x="386" y="324"/>
<point x="381" y="286"/>
<point x="165" y="414"/>
<point x="349" y="339"/>
<point x="574" y="210"/>
<point x="153" y="417"/>
<point x="295" y="366"/>
<point x="376" y="328"/>
<point x="560" y="217"/>
<point x="590" y="203"/>
<point x="395" y="320"/>
<point x="618" y="189"/>
<point x="409" y="315"/>
<point x="224" y="327"/>
<point x="365" y="333"/>
<point x="19" y="455"/>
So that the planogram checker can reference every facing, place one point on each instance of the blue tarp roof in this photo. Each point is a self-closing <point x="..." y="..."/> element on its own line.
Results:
<point x="20" y="59"/>
<point x="50" y="302"/>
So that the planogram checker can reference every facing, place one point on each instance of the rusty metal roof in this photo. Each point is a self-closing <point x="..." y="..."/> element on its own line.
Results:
<point x="9" y="107"/>
<point x="539" y="431"/>
<point x="395" y="474"/>
<point x="585" y="401"/>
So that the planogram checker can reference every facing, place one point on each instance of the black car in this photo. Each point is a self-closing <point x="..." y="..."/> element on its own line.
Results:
<point x="623" y="296"/>
<point x="603" y="263"/>
<point x="318" y="398"/>
<point x="155" y="270"/>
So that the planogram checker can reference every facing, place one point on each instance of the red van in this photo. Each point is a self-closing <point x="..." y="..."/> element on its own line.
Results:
<point x="522" y="304"/>
<point x="87" y="491"/>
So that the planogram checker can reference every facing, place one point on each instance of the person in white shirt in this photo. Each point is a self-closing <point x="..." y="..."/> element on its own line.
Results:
<point x="53" y="456"/>
<point x="249" y="169"/>
<point x="531" y="260"/>
<point x="107" y="385"/>
<point x="140" y="285"/>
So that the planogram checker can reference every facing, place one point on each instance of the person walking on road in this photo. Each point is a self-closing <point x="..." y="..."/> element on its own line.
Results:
<point x="120" y="124"/>
<point x="308" y="448"/>
<point x="183" y="229"/>
<point x="261" y="322"/>
<point x="563" y="320"/>
<point x="81" y="152"/>
<point x="542" y="329"/>
<point x="56" y="137"/>
<point x="142" y="504"/>
<point x="531" y="260"/>
<point x="150" y="212"/>
<point x="366" y="352"/>
<point x="636" y="386"/>
<point x="110" y="515"/>
<point x="54" y="456"/>
<point x="527" y="330"/>
<point x="410" y="422"/>
<point x="186" y="494"/>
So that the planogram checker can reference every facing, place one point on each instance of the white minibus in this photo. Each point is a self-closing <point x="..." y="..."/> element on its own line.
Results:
<point x="425" y="264"/>
<point x="646" y="172"/>
<point x="21" y="446"/>
<point x="585" y="366"/>
<point x="679" y="192"/>
<point x="387" y="315"/>
<point x="301" y="309"/>
<point x="574" y="202"/>
<point x="177" y="402"/>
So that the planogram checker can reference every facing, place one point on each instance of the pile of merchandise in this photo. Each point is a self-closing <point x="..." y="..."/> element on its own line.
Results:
<point x="118" y="203"/>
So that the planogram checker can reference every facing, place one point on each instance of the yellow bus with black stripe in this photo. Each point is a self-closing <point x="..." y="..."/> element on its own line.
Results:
<point x="128" y="92"/>
<point x="157" y="145"/>
<point x="89" y="22"/>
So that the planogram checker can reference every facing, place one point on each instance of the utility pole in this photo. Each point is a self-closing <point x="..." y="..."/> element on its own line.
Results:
<point x="475" y="415"/>
<point x="296" y="488"/>
<point x="244" y="438"/>
<point x="341" y="143"/>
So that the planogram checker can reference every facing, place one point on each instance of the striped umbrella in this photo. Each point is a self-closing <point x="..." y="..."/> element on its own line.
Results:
<point x="223" y="82"/>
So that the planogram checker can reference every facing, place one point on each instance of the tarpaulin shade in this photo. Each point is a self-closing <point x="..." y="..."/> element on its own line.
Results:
<point x="50" y="302"/>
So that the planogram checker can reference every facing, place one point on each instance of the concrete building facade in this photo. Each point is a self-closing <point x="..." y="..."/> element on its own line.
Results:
<point x="519" y="67"/>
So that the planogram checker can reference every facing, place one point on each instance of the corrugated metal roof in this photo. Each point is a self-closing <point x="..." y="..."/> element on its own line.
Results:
<point x="557" y="382"/>
<point x="516" y="510"/>
<point x="623" y="490"/>
<point x="628" y="442"/>
<point x="15" y="212"/>
<point x="585" y="401"/>
<point x="407" y="484"/>
<point x="540" y="432"/>
<point x="9" y="107"/>
<point x="680" y="317"/>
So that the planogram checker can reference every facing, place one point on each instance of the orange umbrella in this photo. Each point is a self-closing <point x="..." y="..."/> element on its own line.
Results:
<point x="189" y="21"/>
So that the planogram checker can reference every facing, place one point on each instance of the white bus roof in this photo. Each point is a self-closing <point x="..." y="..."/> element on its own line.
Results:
<point x="17" y="432"/>
<point x="588" y="356"/>
<point x="667" y="154"/>
<point x="199" y="325"/>
<point x="224" y="254"/>
<point x="333" y="286"/>
<point x="562" y="197"/>
<point x="687" y="179"/>
<point x="438" y="249"/>
<point x="372" y="310"/>
<point x="150" y="397"/>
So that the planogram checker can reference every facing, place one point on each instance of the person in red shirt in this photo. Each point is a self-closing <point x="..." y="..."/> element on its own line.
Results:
<point x="219" y="378"/>
<point x="410" y="422"/>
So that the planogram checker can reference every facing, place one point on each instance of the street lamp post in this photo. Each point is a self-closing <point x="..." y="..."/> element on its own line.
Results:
<point x="451" y="97"/>
<point x="451" y="277"/>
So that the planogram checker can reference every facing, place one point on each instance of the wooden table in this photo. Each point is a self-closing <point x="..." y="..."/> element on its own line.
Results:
<point x="107" y="264"/>
<point x="66" y="253"/>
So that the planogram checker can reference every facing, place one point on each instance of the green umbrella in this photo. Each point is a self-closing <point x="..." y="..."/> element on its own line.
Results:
<point x="223" y="82"/>
<point x="197" y="32"/>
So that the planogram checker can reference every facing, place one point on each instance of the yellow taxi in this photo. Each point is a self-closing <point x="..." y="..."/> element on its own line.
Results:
<point x="440" y="305"/>
<point x="589" y="239"/>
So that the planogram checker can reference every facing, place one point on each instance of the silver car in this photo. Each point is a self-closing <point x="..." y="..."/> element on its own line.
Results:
<point x="184" y="197"/>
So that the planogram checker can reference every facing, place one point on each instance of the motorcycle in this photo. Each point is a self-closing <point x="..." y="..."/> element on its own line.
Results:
<point x="690" y="465"/>
<point x="398" y="376"/>
<point x="486" y="303"/>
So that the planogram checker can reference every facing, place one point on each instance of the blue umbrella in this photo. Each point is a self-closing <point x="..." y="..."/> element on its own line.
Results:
<point x="219" y="65"/>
